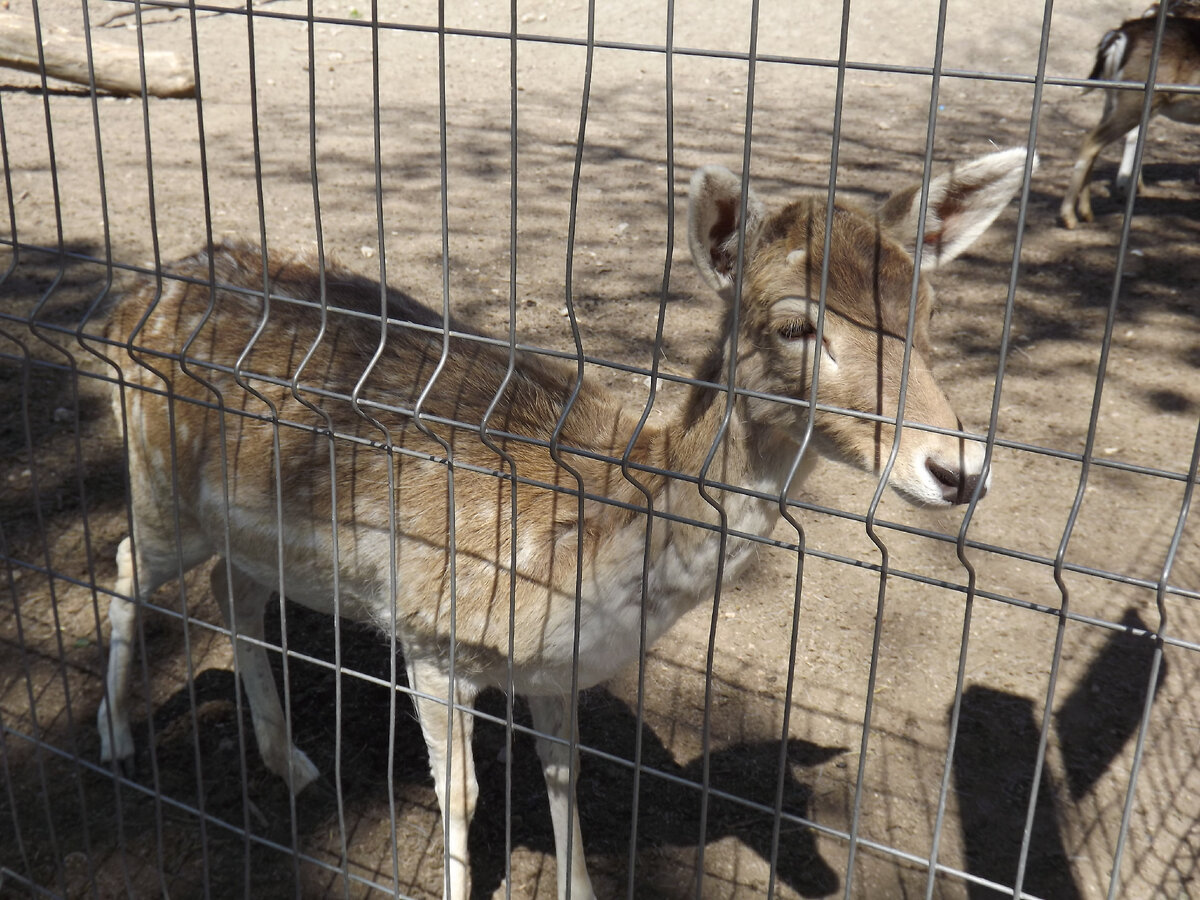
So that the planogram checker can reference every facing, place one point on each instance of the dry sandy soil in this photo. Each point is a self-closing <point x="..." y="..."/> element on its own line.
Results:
<point x="240" y="169"/>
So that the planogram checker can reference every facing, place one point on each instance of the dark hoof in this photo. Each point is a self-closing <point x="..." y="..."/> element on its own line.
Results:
<point x="126" y="768"/>
<point x="322" y="790"/>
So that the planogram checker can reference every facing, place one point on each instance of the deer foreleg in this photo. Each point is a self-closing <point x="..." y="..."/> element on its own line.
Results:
<point x="552" y="719"/>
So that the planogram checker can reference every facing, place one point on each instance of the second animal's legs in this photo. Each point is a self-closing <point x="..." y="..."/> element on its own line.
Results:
<point x="552" y="717"/>
<point x="1120" y="116"/>
<point x="1079" y="192"/>
<point x="243" y="613"/>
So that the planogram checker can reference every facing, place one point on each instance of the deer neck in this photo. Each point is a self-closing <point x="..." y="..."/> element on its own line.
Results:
<point x="747" y="456"/>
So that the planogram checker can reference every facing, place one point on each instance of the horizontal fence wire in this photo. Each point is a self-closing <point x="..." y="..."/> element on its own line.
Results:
<point x="141" y="830"/>
<point x="1117" y="577"/>
<point x="660" y="49"/>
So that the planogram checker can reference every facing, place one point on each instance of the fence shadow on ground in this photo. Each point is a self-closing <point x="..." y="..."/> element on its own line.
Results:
<point x="151" y="839"/>
<point x="993" y="775"/>
<point x="997" y="749"/>
<point x="669" y="810"/>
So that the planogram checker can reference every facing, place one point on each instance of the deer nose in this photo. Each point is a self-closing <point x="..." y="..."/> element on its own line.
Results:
<point x="956" y="487"/>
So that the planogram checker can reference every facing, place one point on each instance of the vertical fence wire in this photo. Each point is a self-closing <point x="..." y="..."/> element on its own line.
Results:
<point x="452" y="691"/>
<point x="35" y="489"/>
<point x="572" y="725"/>
<point x="1084" y="473"/>
<point x="656" y="354"/>
<point x="7" y="769"/>
<point x="87" y="320"/>
<point x="506" y="459"/>
<point x="38" y="739"/>
<point x="386" y="435"/>
<point x="960" y="677"/>
<point x="729" y="388"/>
<point x="805" y="444"/>
<point x="326" y="419"/>
<point x="69" y="361"/>
<point x="241" y="378"/>
<point x="1160" y="593"/>
<point x="124" y="395"/>
<point x="885" y="472"/>
<point x="13" y="243"/>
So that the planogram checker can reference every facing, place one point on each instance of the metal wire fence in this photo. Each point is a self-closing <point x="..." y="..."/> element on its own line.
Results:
<point x="990" y="699"/>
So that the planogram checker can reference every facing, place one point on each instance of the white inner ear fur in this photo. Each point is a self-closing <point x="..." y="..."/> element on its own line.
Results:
<point x="796" y="258"/>
<point x="986" y="185"/>
<point x="711" y="188"/>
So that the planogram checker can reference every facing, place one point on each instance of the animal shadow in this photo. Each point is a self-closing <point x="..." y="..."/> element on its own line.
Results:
<point x="993" y="766"/>
<point x="669" y="802"/>
<point x="669" y="794"/>
<point x="1105" y="708"/>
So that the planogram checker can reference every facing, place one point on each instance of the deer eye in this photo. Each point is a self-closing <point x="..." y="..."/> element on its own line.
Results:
<point x="797" y="330"/>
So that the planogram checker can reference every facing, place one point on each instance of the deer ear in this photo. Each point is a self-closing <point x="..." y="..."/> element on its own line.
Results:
<point x="714" y="217"/>
<point x="962" y="204"/>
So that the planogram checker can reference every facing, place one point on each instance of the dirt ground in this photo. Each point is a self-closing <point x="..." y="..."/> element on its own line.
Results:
<point x="1071" y="650"/>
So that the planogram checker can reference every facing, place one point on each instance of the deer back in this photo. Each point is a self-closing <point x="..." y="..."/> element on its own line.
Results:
<point x="217" y="430"/>
<point x="1125" y="54"/>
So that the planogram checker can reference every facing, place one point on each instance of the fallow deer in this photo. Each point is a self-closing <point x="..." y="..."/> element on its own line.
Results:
<point x="1124" y="54"/>
<point x="272" y="425"/>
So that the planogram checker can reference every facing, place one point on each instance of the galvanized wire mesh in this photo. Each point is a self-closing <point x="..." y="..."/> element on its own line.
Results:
<point x="996" y="703"/>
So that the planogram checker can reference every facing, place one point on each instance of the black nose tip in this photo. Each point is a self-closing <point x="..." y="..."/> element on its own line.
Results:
<point x="956" y="488"/>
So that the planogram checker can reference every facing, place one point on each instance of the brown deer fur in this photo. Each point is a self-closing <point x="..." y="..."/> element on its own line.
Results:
<point x="254" y="428"/>
<point x="1125" y="54"/>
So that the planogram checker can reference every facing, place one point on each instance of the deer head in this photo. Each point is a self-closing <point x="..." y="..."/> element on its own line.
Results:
<point x="875" y="302"/>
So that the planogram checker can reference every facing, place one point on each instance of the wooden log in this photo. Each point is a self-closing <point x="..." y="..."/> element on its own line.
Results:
<point x="115" y="66"/>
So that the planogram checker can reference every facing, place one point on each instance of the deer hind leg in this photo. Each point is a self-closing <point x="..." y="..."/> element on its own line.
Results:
<point x="552" y="717"/>
<point x="144" y="564"/>
<point x="1123" y="115"/>
<point x="242" y="601"/>
<point x="112" y="720"/>
<point x="1079" y="192"/>
<point x="456" y="794"/>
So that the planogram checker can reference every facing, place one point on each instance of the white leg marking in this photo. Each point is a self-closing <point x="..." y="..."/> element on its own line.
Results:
<point x="243" y="612"/>
<point x="551" y="716"/>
